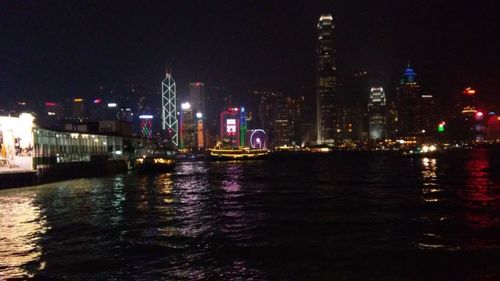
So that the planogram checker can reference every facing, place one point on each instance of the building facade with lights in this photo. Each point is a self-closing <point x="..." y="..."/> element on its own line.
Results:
<point x="377" y="124"/>
<point x="233" y="126"/>
<point x="283" y="123"/>
<point x="146" y="125"/>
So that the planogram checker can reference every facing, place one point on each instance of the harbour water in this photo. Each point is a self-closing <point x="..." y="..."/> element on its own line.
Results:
<point x="339" y="216"/>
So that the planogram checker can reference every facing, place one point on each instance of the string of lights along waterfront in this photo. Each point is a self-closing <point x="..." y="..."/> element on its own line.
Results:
<point x="249" y="140"/>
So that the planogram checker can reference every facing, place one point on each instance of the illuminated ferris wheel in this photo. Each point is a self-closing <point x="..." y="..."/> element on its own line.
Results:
<point x="258" y="139"/>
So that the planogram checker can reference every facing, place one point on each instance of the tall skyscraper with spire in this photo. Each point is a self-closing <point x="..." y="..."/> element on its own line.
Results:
<point x="326" y="79"/>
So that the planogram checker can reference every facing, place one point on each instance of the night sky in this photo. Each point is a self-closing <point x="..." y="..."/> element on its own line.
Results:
<point x="59" y="49"/>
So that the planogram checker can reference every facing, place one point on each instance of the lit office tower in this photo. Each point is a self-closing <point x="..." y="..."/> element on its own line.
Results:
<point x="146" y="125"/>
<point x="198" y="103"/>
<point x="187" y="127"/>
<point x="200" y="131"/>
<point x="407" y="104"/>
<point x="169" y="109"/>
<point x="326" y="109"/>
<point x="284" y="122"/>
<point x="230" y="126"/>
<point x="377" y="114"/>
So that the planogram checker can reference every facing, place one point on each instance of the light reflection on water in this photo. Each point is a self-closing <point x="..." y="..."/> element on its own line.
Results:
<point x="302" y="217"/>
<point x="431" y="238"/>
<point x="21" y="227"/>
<point x="478" y="179"/>
<point x="430" y="188"/>
<point x="481" y="194"/>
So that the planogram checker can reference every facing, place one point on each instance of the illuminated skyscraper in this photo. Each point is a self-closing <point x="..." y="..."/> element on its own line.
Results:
<point x="377" y="114"/>
<point x="283" y="122"/>
<point x="326" y="108"/>
<point x="187" y="127"/>
<point x="408" y="95"/>
<point x="233" y="125"/>
<point x="169" y="109"/>
<point x="200" y="131"/>
<point x="198" y="103"/>
<point x="146" y="125"/>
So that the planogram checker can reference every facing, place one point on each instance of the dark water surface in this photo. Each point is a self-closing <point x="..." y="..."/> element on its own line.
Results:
<point x="345" y="216"/>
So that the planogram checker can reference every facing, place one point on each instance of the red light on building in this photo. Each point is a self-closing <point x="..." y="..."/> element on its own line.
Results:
<point x="469" y="91"/>
<point x="96" y="101"/>
<point x="479" y="115"/>
<point x="50" y="103"/>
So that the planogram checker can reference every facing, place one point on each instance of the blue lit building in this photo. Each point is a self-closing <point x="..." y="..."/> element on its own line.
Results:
<point x="407" y="101"/>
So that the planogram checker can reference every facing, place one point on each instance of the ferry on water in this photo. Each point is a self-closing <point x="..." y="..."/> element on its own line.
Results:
<point x="426" y="150"/>
<point x="154" y="159"/>
<point x="225" y="152"/>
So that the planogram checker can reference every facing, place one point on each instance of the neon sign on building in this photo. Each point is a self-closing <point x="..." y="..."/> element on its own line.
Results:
<point x="231" y="127"/>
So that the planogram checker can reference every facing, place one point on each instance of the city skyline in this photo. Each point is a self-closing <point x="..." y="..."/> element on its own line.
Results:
<point x="137" y="51"/>
<point x="249" y="140"/>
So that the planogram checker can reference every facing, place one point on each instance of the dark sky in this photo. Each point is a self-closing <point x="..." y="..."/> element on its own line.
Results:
<point x="56" y="49"/>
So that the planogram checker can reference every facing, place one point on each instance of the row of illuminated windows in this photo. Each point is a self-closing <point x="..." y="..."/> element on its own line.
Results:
<point x="69" y="147"/>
